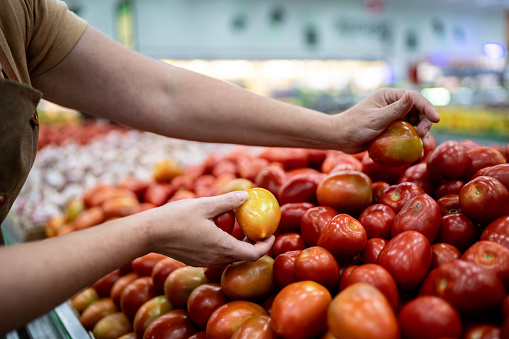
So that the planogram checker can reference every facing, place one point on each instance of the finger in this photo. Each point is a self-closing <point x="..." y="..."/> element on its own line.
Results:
<point x="397" y="109"/>
<point x="245" y="251"/>
<point x="216" y="205"/>
<point x="425" y="106"/>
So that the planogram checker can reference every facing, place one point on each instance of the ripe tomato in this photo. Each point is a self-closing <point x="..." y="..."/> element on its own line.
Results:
<point x="161" y="270"/>
<point x="448" y="187"/>
<point x="378" y="187"/>
<point x="429" y="317"/>
<point x="480" y="157"/>
<point x="396" y="196"/>
<point x="376" y="276"/>
<point x="174" y="324"/>
<point x="377" y="221"/>
<point x="374" y="246"/>
<point x="378" y="172"/>
<point x="96" y="311"/>
<point x="136" y="294"/>
<point x="113" y="325"/>
<point x="144" y="265"/>
<point x="499" y="172"/>
<point x="82" y="299"/>
<point x="443" y="252"/>
<point x="149" y="311"/>
<point x="447" y="161"/>
<point x="491" y="255"/>
<point x="362" y="311"/>
<point x="271" y="178"/>
<point x="336" y="161"/>
<point x="344" y="236"/>
<point x="484" y="199"/>
<point x="408" y="267"/>
<point x="259" y="215"/>
<point x="158" y="193"/>
<point x="449" y="203"/>
<point x="498" y="231"/>
<point x="419" y="175"/>
<point x="421" y="214"/>
<point x="313" y="221"/>
<point x="104" y="285"/>
<point x="398" y="145"/>
<point x="288" y="242"/>
<point x="482" y="331"/>
<point x="299" y="188"/>
<point x="317" y="264"/>
<point x="304" y="305"/>
<point x="283" y="268"/>
<point x="214" y="273"/>
<point x="181" y="282"/>
<point x="257" y="327"/>
<point x="225" y="221"/>
<point x="291" y="215"/>
<point x="458" y="230"/>
<point x="119" y="286"/>
<point x="203" y="301"/>
<point x="246" y="280"/>
<point x="347" y="192"/>
<point x="227" y="318"/>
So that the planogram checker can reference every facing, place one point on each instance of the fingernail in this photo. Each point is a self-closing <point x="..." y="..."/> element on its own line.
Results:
<point x="405" y="98"/>
<point x="242" y="195"/>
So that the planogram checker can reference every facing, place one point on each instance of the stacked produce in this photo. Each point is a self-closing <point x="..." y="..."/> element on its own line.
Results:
<point x="362" y="250"/>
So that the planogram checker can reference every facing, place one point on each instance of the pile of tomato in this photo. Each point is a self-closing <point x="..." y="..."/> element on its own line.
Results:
<point x="362" y="250"/>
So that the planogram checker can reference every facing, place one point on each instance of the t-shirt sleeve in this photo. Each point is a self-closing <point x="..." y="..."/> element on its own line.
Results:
<point x="55" y="32"/>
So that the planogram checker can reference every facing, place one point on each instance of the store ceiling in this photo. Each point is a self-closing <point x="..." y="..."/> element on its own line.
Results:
<point x="470" y="3"/>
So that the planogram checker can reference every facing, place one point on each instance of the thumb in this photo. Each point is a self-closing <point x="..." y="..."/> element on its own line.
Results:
<point x="222" y="203"/>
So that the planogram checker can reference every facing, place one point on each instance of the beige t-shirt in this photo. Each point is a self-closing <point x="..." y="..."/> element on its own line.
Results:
<point x="35" y="35"/>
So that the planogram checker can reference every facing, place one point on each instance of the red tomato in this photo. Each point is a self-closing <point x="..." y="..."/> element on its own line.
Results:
<point x="317" y="264"/>
<point x="198" y="335"/>
<point x="113" y="325"/>
<point x="499" y="172"/>
<point x="119" y="286"/>
<point x="291" y="215"/>
<point x="316" y="158"/>
<point x="443" y="252"/>
<point x="448" y="187"/>
<point x="482" y="331"/>
<point x="246" y="280"/>
<point x="378" y="172"/>
<point x="429" y="317"/>
<point x="373" y="248"/>
<point x="304" y="305"/>
<point x="283" y="268"/>
<point x="408" y="267"/>
<point x="398" y="145"/>
<point x="471" y="288"/>
<point x="362" y="311"/>
<point x="271" y="178"/>
<point x="484" y="199"/>
<point x="135" y="185"/>
<point x="419" y="175"/>
<point x="447" y="161"/>
<point x="458" y="230"/>
<point x="498" y="231"/>
<point x="257" y="327"/>
<point x="449" y="203"/>
<point x="213" y="274"/>
<point x="225" y="221"/>
<point x="104" y="285"/>
<point x="149" y="311"/>
<point x="136" y="294"/>
<point x="299" y="188"/>
<point x="181" y="282"/>
<point x="481" y="157"/>
<point x="347" y="192"/>
<point x="96" y="311"/>
<point x="377" y="221"/>
<point x="396" y="196"/>
<point x="378" y="187"/>
<point x="313" y="221"/>
<point x="336" y="160"/>
<point x="158" y="193"/>
<point x="288" y="242"/>
<point x="376" y="276"/>
<point x="172" y="325"/>
<point x="144" y="265"/>
<point x="161" y="270"/>
<point x="249" y="168"/>
<point x="344" y="236"/>
<point x="203" y="301"/>
<point x="421" y="214"/>
<point x="491" y="255"/>
<point x="227" y="318"/>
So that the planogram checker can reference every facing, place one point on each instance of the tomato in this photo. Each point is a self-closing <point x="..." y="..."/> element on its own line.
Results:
<point x="88" y="218"/>
<point x="214" y="273"/>
<point x="377" y="221"/>
<point x="336" y="161"/>
<point x="481" y="157"/>
<point x="317" y="264"/>
<point x="419" y="175"/>
<point x="484" y="199"/>
<point x="378" y="172"/>
<point x="144" y="265"/>
<point x="112" y="326"/>
<point x="259" y="215"/>
<point x="289" y="157"/>
<point x="119" y="286"/>
<point x="429" y="317"/>
<point x="104" y="285"/>
<point x="344" y="236"/>
<point x="347" y="192"/>
<point x="316" y="157"/>
<point x="498" y="231"/>
<point x="136" y="294"/>
<point x="257" y="327"/>
<point x="175" y="324"/>
<point x="362" y="311"/>
<point x="249" y="168"/>
<point x="491" y="255"/>
<point x="374" y="246"/>
<point x="291" y="215"/>
<point x="378" y="187"/>
<point x="448" y="187"/>
<point x="283" y="268"/>
<point x="199" y="335"/>
<point x="398" y="145"/>
<point x="271" y="178"/>
<point x="181" y="282"/>
<point x="447" y="161"/>
<point x="227" y="318"/>
<point x="158" y="193"/>
<point x="96" y="311"/>
<point x="135" y="185"/>
<point x="313" y="221"/>
<point x="482" y="331"/>
<point x="84" y="298"/>
<point x="421" y="214"/>
<point x="499" y="172"/>
<point x="299" y="188"/>
<point x="458" y="230"/>
<point x="449" y="203"/>
<point x="246" y="280"/>
<point x="408" y="267"/>
<point x="130" y="335"/>
<point x="396" y="196"/>
<point x="161" y="271"/>
<point x="149" y="311"/>
<point x="376" y="276"/>
<point x="288" y="242"/>
<point x="471" y="288"/>
<point x="225" y="221"/>
<point x="443" y="252"/>
<point x="304" y="305"/>
<point x="203" y="301"/>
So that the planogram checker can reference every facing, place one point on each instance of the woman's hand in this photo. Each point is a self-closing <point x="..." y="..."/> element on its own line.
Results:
<point x="184" y="230"/>
<point x="370" y="117"/>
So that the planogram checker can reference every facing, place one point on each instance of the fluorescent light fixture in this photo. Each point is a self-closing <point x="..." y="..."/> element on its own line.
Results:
<point x="493" y="50"/>
<point x="438" y="96"/>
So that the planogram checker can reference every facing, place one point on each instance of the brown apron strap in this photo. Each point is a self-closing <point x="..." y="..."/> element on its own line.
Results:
<point x="6" y="65"/>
